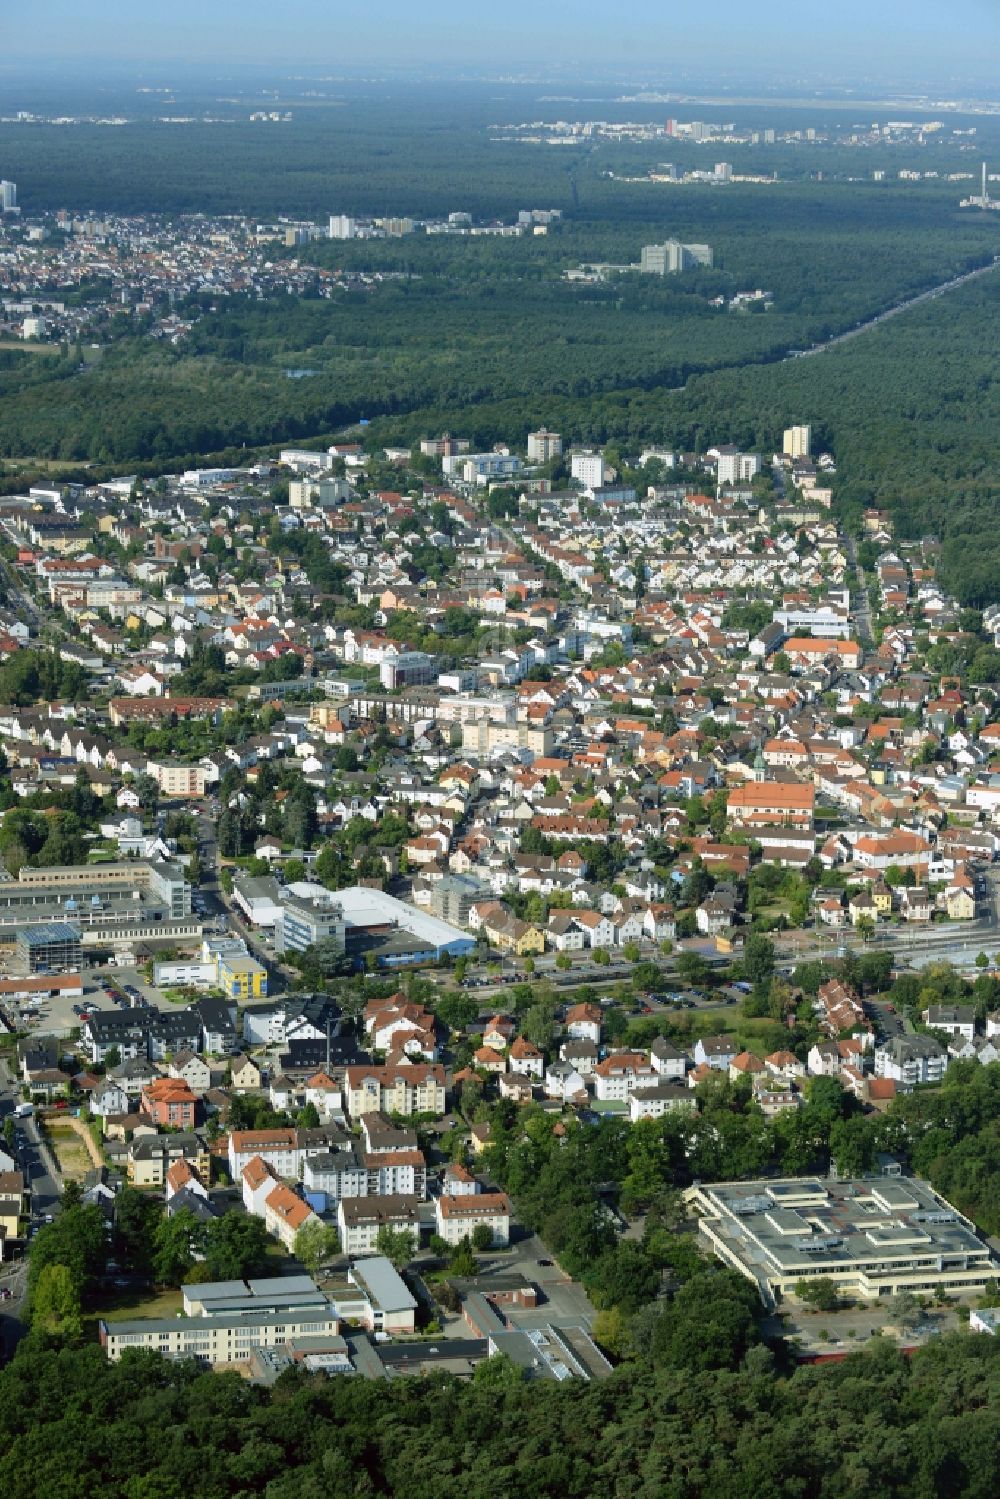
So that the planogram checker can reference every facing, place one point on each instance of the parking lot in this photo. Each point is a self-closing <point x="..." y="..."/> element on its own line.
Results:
<point x="841" y="1331"/>
<point x="565" y="1299"/>
<point x="58" y="1015"/>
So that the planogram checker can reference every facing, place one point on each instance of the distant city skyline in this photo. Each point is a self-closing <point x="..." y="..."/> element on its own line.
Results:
<point x="797" y="39"/>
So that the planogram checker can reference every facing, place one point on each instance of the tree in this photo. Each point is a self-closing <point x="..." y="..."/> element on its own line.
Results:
<point x="498" y="1373"/>
<point x="563" y="961"/>
<point x="482" y="1237"/>
<point x="148" y="792"/>
<point x="71" y="1195"/>
<point x="692" y="969"/>
<point x="316" y="1243"/>
<point x="828" y="1101"/>
<point x="904" y="1309"/>
<point x="463" y="1262"/>
<point x="853" y="1146"/>
<point x="236" y="1246"/>
<point x="76" y="1239"/>
<point x="175" y="1241"/>
<point x="645" y="976"/>
<point x="300" y="816"/>
<point x="55" y="1304"/>
<point x="611" y="1331"/>
<point x="537" y="1026"/>
<point x="758" y="959"/>
<point x="397" y="1244"/>
<point x="136" y="1218"/>
<point x="865" y="928"/>
<point x="710" y="1323"/>
<point x="821" y="1293"/>
<point x="623" y="1276"/>
<point x="601" y="956"/>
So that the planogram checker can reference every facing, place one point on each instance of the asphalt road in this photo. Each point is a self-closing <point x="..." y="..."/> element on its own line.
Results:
<point x="35" y="1161"/>
<point x="891" y="312"/>
<point x="220" y="909"/>
<point x="861" y="609"/>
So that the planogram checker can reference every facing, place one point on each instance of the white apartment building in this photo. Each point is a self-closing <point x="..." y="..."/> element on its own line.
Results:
<point x="735" y="467"/>
<point x="543" y="446"/>
<point x="659" y="1099"/>
<point x="360" y="1220"/>
<point x="588" y="469"/>
<point x="179" y="780"/>
<point x="957" y="1020"/>
<point x="797" y="442"/>
<point x="910" y="1060"/>
<point x="873" y="1238"/>
<point x="618" y="1076"/>
<point x="457" y="1216"/>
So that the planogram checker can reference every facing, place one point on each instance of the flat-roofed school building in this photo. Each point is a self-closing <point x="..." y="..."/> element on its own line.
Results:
<point x="873" y="1238"/>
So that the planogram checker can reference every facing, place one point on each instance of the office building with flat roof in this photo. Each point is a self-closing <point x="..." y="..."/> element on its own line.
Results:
<point x="873" y="1238"/>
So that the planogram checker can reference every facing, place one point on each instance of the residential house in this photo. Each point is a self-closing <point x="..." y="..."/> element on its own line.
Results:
<point x="656" y="1099"/>
<point x="457" y="1217"/>
<point x="716" y="1052"/>
<point x="583" y="1022"/>
<point x="361" y="1219"/>
<point x="619" y="1074"/>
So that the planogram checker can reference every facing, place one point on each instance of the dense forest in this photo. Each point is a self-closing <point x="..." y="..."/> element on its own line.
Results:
<point x="425" y="148"/>
<point x="487" y="338"/>
<point x="877" y="1424"/>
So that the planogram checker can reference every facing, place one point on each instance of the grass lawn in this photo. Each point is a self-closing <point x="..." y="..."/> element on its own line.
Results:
<point x="69" y="1150"/>
<point x="28" y="348"/>
<point x="774" y="909"/>
<point x="122" y="1306"/>
<point x="747" y="1026"/>
<point x="730" y="1021"/>
<point x="127" y="1305"/>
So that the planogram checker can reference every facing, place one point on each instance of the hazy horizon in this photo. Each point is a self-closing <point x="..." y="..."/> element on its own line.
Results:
<point x="879" y="41"/>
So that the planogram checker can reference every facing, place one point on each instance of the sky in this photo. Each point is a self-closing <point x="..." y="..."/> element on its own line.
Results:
<point x="947" y="40"/>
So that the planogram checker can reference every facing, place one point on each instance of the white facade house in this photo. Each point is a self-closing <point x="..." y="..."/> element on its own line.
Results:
<point x="652" y="1102"/>
<point x="583" y="1023"/>
<point x="361" y="1219"/>
<point x="957" y="1020"/>
<point x="668" y="1063"/>
<point x="526" y="1059"/>
<point x="911" y="1060"/>
<point x="618" y="1076"/>
<point x="588" y="469"/>
<point x="457" y="1217"/>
